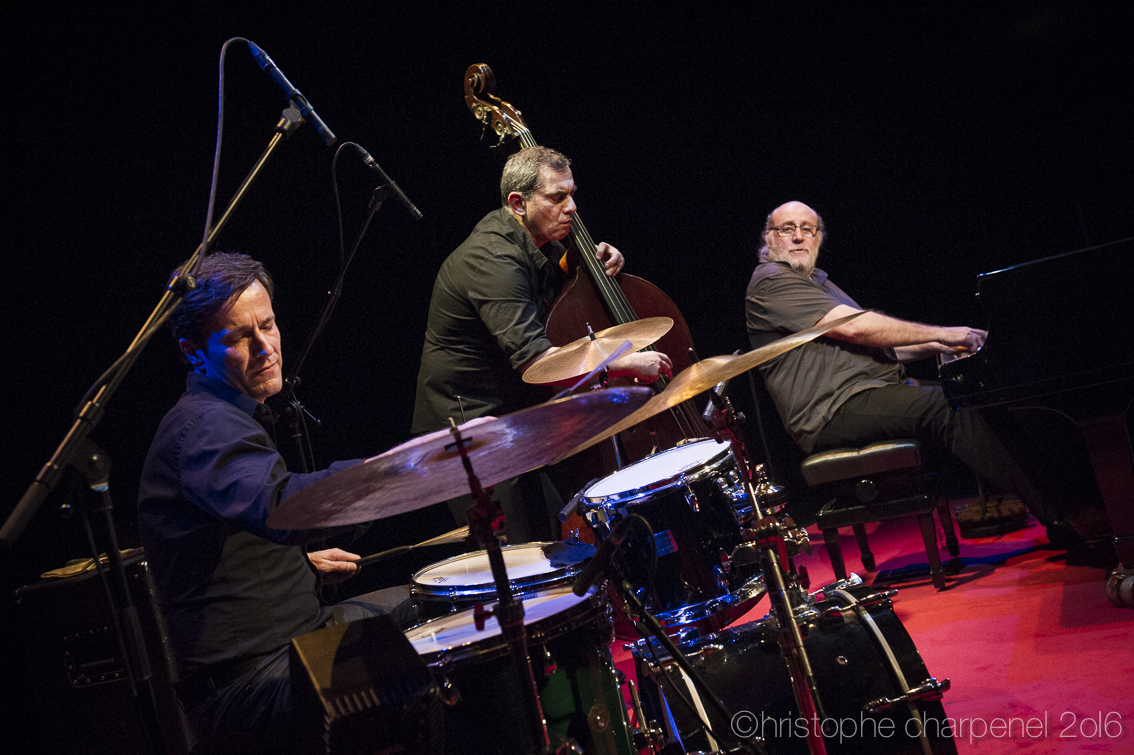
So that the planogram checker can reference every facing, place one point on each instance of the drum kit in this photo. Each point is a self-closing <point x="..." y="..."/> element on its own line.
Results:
<point x="689" y="539"/>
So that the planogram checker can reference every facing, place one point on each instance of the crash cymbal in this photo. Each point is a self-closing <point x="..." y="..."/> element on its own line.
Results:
<point x="584" y="355"/>
<point x="703" y="375"/>
<point x="428" y="470"/>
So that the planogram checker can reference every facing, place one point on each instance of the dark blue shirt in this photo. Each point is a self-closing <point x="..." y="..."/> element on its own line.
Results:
<point x="230" y="588"/>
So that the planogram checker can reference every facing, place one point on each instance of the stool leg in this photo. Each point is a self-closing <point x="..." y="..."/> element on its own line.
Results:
<point x="831" y="538"/>
<point x="945" y="514"/>
<point x="863" y="546"/>
<point x="929" y="535"/>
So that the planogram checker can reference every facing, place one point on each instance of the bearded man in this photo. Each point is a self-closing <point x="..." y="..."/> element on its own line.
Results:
<point x="849" y="387"/>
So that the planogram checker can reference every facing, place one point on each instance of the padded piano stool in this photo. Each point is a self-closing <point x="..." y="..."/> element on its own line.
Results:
<point x="879" y="481"/>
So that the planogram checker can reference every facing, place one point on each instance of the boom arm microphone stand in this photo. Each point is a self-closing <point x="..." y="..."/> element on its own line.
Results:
<point x="297" y="412"/>
<point x="77" y="450"/>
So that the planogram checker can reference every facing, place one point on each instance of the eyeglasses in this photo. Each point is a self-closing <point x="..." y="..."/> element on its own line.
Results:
<point x="788" y="229"/>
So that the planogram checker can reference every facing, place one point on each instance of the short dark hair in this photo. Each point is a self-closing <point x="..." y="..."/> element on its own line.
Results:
<point x="222" y="277"/>
<point x="521" y="172"/>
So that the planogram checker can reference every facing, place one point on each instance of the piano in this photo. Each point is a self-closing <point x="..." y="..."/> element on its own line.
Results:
<point x="1060" y="335"/>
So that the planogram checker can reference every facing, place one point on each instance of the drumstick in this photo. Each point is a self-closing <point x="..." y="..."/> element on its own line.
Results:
<point x="454" y="536"/>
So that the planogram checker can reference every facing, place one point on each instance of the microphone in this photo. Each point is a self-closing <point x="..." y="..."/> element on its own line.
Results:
<point x="371" y="163"/>
<point x="292" y="94"/>
<point x="602" y="558"/>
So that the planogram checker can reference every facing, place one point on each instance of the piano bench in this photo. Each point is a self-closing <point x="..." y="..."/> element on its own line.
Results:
<point x="879" y="481"/>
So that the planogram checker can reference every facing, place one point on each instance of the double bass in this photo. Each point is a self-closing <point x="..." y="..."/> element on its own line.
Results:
<point x="592" y="298"/>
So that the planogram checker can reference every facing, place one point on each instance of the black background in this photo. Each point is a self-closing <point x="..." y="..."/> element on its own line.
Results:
<point x="939" y="141"/>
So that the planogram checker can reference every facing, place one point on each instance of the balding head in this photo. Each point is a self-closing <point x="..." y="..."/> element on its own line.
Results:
<point x="800" y="246"/>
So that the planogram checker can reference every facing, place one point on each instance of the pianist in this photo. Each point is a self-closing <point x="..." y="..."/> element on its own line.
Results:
<point x="849" y="388"/>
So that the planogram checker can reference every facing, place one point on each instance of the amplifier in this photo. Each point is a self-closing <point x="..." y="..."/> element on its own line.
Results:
<point x="76" y="671"/>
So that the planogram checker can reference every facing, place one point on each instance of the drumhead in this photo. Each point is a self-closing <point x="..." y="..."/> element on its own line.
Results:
<point x="529" y="565"/>
<point x="455" y="636"/>
<point x="655" y="472"/>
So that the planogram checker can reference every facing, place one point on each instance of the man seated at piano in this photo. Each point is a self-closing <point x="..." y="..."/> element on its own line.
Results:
<point x="849" y="387"/>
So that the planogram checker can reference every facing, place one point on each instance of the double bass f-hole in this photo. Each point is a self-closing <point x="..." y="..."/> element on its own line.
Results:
<point x="613" y="294"/>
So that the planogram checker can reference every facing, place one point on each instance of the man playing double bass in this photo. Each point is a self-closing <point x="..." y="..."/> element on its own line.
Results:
<point x="486" y="323"/>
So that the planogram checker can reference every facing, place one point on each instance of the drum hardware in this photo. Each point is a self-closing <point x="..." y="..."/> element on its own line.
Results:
<point x="650" y="629"/>
<point x="930" y="690"/>
<point x="769" y="538"/>
<point x="862" y="663"/>
<point x="483" y="513"/>
<point x="690" y="496"/>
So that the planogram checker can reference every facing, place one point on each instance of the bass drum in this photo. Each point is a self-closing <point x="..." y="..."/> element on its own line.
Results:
<point x="567" y="639"/>
<point x="462" y="581"/>
<point x="863" y="661"/>
<point x="695" y="503"/>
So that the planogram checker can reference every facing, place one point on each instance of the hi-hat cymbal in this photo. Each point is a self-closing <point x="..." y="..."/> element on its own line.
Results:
<point x="584" y="355"/>
<point x="429" y="470"/>
<point x="706" y="374"/>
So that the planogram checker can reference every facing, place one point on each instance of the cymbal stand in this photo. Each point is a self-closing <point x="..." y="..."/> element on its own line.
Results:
<point x="484" y="517"/>
<point x="767" y="537"/>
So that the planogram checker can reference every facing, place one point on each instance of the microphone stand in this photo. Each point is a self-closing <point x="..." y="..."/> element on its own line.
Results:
<point x="77" y="441"/>
<point x="295" y="409"/>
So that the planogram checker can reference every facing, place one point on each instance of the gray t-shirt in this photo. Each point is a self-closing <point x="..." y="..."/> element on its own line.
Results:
<point x="809" y="383"/>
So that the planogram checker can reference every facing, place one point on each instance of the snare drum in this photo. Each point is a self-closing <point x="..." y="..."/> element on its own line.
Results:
<point x="567" y="638"/>
<point x="462" y="581"/>
<point x="864" y="662"/>
<point x="695" y="501"/>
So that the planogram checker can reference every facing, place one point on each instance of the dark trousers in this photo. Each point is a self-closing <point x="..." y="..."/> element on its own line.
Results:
<point x="252" y="712"/>
<point x="921" y="412"/>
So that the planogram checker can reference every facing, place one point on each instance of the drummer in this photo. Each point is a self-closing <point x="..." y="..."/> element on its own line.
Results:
<point x="485" y="327"/>
<point x="233" y="591"/>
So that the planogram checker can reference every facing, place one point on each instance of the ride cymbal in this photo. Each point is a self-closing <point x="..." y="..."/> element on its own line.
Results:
<point x="429" y="470"/>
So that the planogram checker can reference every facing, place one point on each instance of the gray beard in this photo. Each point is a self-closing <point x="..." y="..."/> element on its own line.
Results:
<point x="803" y="268"/>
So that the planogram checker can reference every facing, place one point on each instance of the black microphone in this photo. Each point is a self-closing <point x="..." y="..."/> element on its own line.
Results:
<point x="371" y="163"/>
<point x="301" y="103"/>
<point x="602" y="558"/>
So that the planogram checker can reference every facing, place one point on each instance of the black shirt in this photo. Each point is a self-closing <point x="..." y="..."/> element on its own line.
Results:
<point x="485" y="319"/>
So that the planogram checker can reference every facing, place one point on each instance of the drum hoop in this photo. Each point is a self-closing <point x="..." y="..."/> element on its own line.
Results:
<point x="692" y="473"/>
<point x="527" y="585"/>
<point x="538" y="633"/>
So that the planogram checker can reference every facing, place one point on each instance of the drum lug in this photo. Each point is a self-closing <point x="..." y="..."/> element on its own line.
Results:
<point x="690" y="496"/>
<point x="930" y="690"/>
<point x="546" y="661"/>
<point x="450" y="695"/>
<point x="598" y="718"/>
<point x="723" y="571"/>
